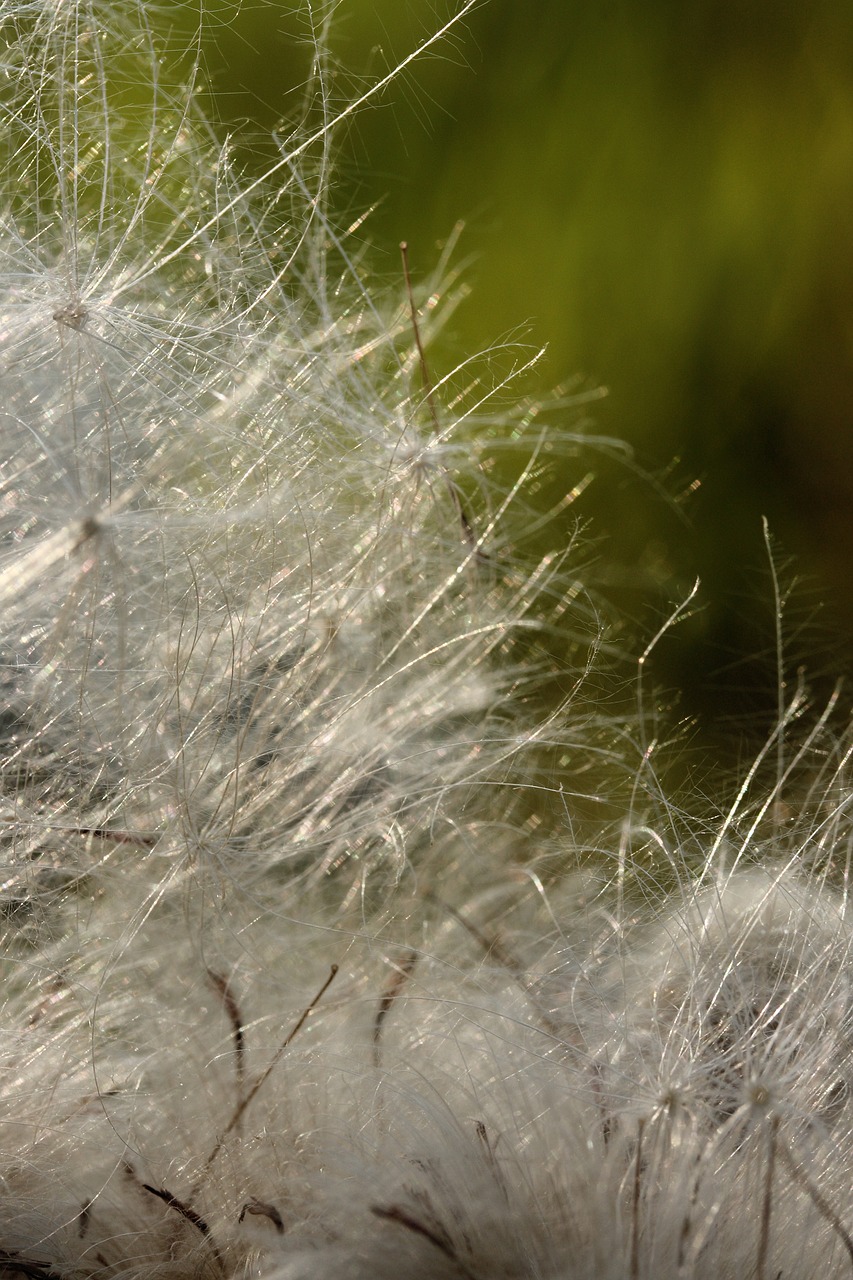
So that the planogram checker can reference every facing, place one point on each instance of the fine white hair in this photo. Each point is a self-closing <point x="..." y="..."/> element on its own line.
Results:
<point x="296" y="983"/>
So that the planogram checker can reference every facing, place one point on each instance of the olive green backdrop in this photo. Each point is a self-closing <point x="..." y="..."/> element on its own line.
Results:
<point x="662" y="192"/>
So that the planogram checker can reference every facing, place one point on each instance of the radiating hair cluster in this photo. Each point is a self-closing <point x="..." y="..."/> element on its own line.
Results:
<point x="330" y="945"/>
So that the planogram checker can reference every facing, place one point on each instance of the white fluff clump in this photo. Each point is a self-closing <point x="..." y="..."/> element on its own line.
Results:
<point x="289" y="986"/>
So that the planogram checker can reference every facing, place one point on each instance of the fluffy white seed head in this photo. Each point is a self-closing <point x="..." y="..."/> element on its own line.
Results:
<point x="290" y="988"/>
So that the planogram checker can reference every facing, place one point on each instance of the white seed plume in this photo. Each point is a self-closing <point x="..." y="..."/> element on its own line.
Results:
<point x="289" y="986"/>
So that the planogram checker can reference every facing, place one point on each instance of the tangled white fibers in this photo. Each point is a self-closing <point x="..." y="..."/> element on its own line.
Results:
<point x="293" y="984"/>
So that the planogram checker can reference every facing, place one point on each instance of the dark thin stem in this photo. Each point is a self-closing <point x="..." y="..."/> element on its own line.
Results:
<point x="488" y="1147"/>
<point x="260" y="1210"/>
<point x="223" y="989"/>
<point x="83" y="1218"/>
<point x="184" y="1211"/>
<point x="687" y="1222"/>
<point x="273" y="1063"/>
<point x="494" y="949"/>
<point x="190" y="1215"/>
<point x="464" y="519"/>
<point x="767" y="1202"/>
<point x="823" y="1206"/>
<point x="396" y="1213"/>
<point x="635" y="1203"/>
<point x="118" y="837"/>
<point x="427" y="381"/>
<point x="11" y="1262"/>
<point x="402" y="972"/>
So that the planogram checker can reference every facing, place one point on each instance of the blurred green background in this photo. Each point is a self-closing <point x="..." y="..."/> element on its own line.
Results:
<point x="662" y="192"/>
